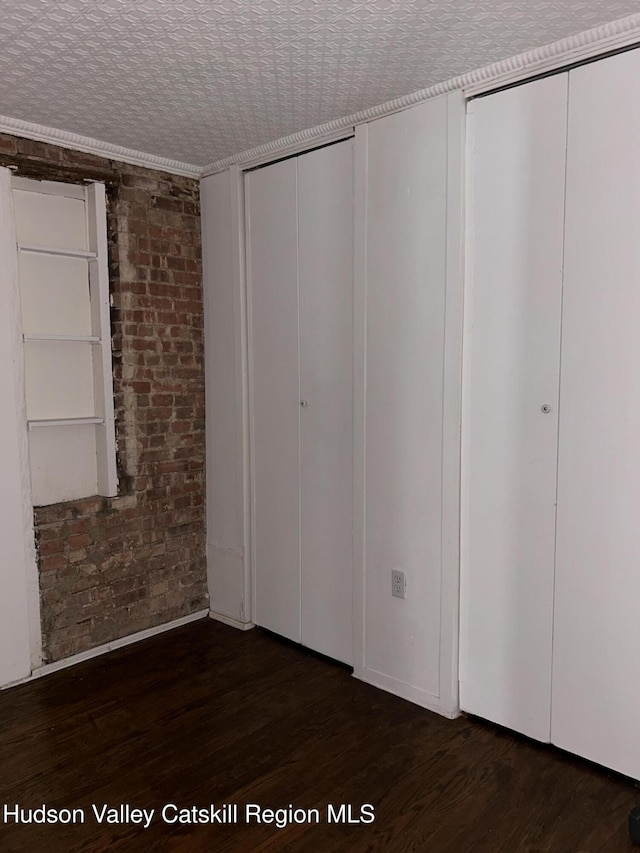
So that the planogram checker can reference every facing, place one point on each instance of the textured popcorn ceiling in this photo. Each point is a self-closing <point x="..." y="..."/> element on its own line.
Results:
<point x="198" y="80"/>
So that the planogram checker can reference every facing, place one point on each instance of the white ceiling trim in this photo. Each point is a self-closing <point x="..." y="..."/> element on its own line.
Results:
<point x="589" y="44"/>
<point x="54" y="136"/>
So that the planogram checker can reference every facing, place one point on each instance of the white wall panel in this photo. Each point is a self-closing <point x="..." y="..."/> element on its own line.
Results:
<point x="225" y="356"/>
<point x="17" y="558"/>
<point x="59" y="380"/>
<point x="272" y="273"/>
<point x="53" y="452"/>
<point x="54" y="292"/>
<point x="402" y="186"/>
<point x="50" y="220"/>
<point x="325" y="212"/>
<point x="516" y="155"/>
<point x="596" y="692"/>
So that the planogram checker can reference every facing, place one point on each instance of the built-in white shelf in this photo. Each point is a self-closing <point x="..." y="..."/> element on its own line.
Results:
<point x="88" y="339"/>
<point x="52" y="250"/>
<point x="67" y="338"/>
<point x="51" y="422"/>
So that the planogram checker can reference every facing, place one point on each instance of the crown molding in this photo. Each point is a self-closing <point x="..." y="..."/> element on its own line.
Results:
<point x="590" y="44"/>
<point x="76" y="142"/>
<point x="332" y="131"/>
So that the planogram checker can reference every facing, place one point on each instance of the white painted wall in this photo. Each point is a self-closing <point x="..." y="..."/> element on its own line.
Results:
<point x="18" y="575"/>
<point x="408" y="273"/>
<point x="227" y="468"/>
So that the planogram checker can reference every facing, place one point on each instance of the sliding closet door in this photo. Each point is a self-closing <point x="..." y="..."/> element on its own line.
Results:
<point x="516" y="161"/>
<point x="596" y="689"/>
<point x="325" y="228"/>
<point x="300" y="285"/>
<point x="272" y="272"/>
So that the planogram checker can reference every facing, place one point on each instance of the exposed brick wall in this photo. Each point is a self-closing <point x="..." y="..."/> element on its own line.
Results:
<point x="113" y="566"/>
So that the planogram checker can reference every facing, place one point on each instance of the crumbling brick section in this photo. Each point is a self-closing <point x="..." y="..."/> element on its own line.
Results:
<point x="113" y="566"/>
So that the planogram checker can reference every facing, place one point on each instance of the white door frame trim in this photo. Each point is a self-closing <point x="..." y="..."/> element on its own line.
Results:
<point x="9" y="272"/>
<point x="243" y="379"/>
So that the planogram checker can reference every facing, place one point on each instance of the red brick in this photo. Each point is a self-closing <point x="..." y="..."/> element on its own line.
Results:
<point x="51" y="564"/>
<point x="79" y="541"/>
<point x="8" y="144"/>
<point x="39" y="150"/>
<point x="55" y="546"/>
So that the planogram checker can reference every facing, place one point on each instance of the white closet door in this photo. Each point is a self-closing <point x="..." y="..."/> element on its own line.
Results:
<point x="272" y="271"/>
<point x="516" y="161"/>
<point x="325" y="205"/>
<point x="596" y="690"/>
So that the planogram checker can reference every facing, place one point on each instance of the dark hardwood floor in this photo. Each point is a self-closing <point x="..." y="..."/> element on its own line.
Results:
<point x="205" y="714"/>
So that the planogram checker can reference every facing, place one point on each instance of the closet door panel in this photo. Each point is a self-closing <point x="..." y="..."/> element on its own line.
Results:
<point x="596" y="690"/>
<point x="405" y="276"/>
<point x="272" y="270"/>
<point x="513" y="293"/>
<point x="325" y="205"/>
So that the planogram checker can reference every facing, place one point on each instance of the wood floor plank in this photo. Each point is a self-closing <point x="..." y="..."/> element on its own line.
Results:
<point x="206" y="714"/>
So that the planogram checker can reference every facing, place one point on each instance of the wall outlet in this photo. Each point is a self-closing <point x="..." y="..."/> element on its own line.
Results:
<point x="398" y="583"/>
